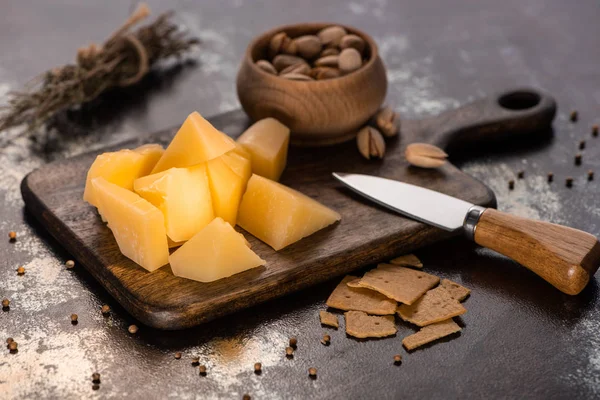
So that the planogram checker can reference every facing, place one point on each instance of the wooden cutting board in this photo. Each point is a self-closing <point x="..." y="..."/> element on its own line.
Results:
<point x="367" y="233"/>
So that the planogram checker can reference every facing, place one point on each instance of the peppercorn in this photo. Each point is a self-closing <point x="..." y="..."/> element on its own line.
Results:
<point x="246" y="397"/>
<point x="13" y="346"/>
<point x="96" y="377"/>
<point x="595" y="130"/>
<point x="70" y="264"/>
<point x="521" y="174"/>
<point x="196" y="361"/>
<point x="397" y="359"/>
<point x="177" y="356"/>
<point x="293" y="342"/>
<point x="590" y="175"/>
<point x="95" y="386"/>
<point x="326" y="340"/>
<point x="9" y="341"/>
<point x="257" y="368"/>
<point x="289" y="352"/>
<point x="20" y="271"/>
<point x="511" y="184"/>
<point x="550" y="176"/>
<point x="105" y="310"/>
<point x="5" y="303"/>
<point x="202" y="370"/>
<point x="73" y="319"/>
<point x="12" y="236"/>
<point x="569" y="182"/>
<point x="574" y="116"/>
<point x="132" y="329"/>
<point x="582" y="145"/>
<point x="312" y="372"/>
<point x="578" y="159"/>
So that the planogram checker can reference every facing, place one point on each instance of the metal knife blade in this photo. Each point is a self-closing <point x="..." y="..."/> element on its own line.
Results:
<point x="424" y="205"/>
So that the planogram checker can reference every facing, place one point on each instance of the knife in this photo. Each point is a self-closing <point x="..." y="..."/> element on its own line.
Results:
<point x="563" y="256"/>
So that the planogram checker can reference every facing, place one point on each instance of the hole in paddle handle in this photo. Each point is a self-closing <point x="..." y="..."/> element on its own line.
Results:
<point x="520" y="100"/>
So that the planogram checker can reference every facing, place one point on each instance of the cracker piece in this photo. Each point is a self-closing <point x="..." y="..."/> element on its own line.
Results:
<point x="361" y="325"/>
<point x="435" y="306"/>
<point x="329" y="319"/>
<point x="399" y="283"/>
<point x="408" y="260"/>
<point x="430" y="333"/>
<point x="354" y="283"/>
<point x="457" y="291"/>
<point x="360" y="299"/>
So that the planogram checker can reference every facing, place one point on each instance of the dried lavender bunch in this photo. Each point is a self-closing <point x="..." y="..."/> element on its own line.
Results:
<point x="123" y="60"/>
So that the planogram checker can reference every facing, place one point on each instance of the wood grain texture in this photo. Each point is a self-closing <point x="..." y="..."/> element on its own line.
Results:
<point x="319" y="112"/>
<point x="367" y="233"/>
<point x="563" y="256"/>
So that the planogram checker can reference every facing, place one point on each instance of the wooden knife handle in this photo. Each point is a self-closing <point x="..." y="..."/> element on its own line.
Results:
<point x="563" y="256"/>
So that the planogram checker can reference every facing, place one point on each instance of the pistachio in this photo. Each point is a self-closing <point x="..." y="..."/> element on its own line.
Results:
<point x="296" y="77"/>
<point x="300" y="68"/>
<point x="370" y="143"/>
<point x="349" y="60"/>
<point x="332" y="35"/>
<point x="319" y="73"/>
<point x="327" y="61"/>
<point x="283" y="61"/>
<point x="353" y="41"/>
<point x="308" y="46"/>
<point x="331" y="51"/>
<point x="425" y="155"/>
<point x="276" y="43"/>
<point x="266" y="66"/>
<point x="387" y="122"/>
<point x="281" y="43"/>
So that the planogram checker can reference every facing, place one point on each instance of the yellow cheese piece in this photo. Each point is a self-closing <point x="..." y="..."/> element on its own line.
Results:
<point x="137" y="225"/>
<point x="197" y="141"/>
<point x="216" y="252"/>
<point x="183" y="196"/>
<point x="173" y="244"/>
<point x="267" y="141"/>
<point x="122" y="168"/>
<point x="227" y="184"/>
<point x="279" y="215"/>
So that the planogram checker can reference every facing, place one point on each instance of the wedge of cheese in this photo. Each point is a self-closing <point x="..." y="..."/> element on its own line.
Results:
<point x="137" y="225"/>
<point x="227" y="176"/>
<point x="216" y="252"/>
<point x="122" y="168"/>
<point x="183" y="196"/>
<point x="197" y="141"/>
<point x="279" y="215"/>
<point x="267" y="141"/>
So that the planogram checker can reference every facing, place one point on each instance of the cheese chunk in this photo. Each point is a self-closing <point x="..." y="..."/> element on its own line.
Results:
<point x="197" y="141"/>
<point x="267" y="141"/>
<point x="279" y="215"/>
<point x="241" y="150"/>
<point x="183" y="196"/>
<point x="216" y="252"/>
<point x="122" y="168"/>
<point x="137" y="225"/>
<point x="227" y="176"/>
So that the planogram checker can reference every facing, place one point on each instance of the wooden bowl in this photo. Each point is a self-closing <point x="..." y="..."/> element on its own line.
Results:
<point x="319" y="112"/>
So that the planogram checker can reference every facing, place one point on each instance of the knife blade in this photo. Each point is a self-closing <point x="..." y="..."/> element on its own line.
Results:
<point x="563" y="256"/>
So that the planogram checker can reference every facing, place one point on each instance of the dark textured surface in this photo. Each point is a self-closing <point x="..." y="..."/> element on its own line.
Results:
<point x="520" y="338"/>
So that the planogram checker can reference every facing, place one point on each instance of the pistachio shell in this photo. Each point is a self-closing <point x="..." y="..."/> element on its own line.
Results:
<point x="308" y="46"/>
<point x="282" y="61"/>
<point x="370" y="143"/>
<point x="332" y="35"/>
<point x="349" y="60"/>
<point x="266" y="66"/>
<point x="353" y="41"/>
<point x="327" y="61"/>
<point x="425" y="155"/>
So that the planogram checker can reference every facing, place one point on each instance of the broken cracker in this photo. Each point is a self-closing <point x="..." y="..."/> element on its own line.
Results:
<point x="430" y="333"/>
<point x="359" y="299"/>
<point x="399" y="283"/>
<point x="361" y="325"/>
<point x="435" y="306"/>
<point x="457" y="291"/>
<point x="408" y="260"/>
<point x="329" y="319"/>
